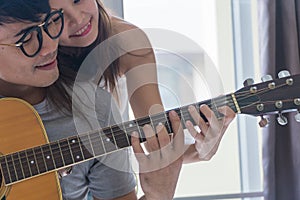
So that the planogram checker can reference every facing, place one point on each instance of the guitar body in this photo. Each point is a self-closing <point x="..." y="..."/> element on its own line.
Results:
<point x="22" y="128"/>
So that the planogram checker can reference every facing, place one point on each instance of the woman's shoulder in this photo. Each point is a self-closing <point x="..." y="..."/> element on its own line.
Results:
<point x="120" y="25"/>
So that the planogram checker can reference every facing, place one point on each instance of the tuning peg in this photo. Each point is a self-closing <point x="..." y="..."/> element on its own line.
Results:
<point x="266" y="78"/>
<point x="264" y="122"/>
<point x="297" y="116"/>
<point x="282" y="120"/>
<point x="283" y="74"/>
<point x="248" y="81"/>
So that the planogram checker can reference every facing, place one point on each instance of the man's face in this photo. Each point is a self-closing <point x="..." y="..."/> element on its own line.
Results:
<point x="17" y="68"/>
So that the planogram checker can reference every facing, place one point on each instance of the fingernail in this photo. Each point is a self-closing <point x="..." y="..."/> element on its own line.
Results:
<point x="189" y="123"/>
<point x="159" y="127"/>
<point x="135" y="134"/>
<point x="191" y="108"/>
<point x="173" y="113"/>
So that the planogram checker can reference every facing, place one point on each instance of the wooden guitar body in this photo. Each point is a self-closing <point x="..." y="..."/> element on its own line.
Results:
<point x="22" y="128"/>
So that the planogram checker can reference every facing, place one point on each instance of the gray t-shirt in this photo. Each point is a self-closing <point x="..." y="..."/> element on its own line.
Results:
<point x="106" y="177"/>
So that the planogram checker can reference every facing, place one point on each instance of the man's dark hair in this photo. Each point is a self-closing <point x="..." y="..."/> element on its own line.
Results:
<point x="12" y="11"/>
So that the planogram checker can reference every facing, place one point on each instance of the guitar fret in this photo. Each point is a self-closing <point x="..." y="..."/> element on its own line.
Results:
<point x="86" y="147"/>
<point x="12" y="169"/>
<point x="152" y="124"/>
<point x="57" y="155"/>
<point x="61" y="153"/>
<point x="75" y="149"/>
<point x="17" y="165"/>
<point x="140" y="123"/>
<point x="66" y="152"/>
<point x="187" y="115"/>
<point x="4" y="169"/>
<point x="97" y="144"/>
<point x="90" y="143"/>
<point x="108" y="140"/>
<point x="120" y="136"/>
<point x="25" y="164"/>
<point x="159" y="118"/>
<point x="114" y="130"/>
<point x="40" y="159"/>
<point x="31" y="162"/>
<point x="167" y="123"/>
<point x="130" y="127"/>
<point x="218" y="102"/>
<point x="21" y="165"/>
<point x="126" y="134"/>
<point x="48" y="157"/>
<point x="197" y="107"/>
<point x="182" y="119"/>
<point x="214" y="108"/>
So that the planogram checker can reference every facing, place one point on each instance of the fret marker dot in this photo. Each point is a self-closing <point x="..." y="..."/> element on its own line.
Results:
<point x="32" y="162"/>
<point x="73" y="141"/>
<point x="130" y="125"/>
<point x="107" y="140"/>
<point x="48" y="157"/>
<point x="77" y="157"/>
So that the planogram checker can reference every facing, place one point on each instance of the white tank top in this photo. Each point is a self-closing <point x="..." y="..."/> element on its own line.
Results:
<point x="122" y="99"/>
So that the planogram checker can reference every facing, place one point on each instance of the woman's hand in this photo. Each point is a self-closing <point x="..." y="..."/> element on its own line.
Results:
<point x="207" y="140"/>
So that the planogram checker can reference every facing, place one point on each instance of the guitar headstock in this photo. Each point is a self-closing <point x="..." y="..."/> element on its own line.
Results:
<point x="276" y="96"/>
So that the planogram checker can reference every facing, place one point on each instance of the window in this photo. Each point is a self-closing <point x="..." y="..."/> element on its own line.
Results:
<point x="226" y="31"/>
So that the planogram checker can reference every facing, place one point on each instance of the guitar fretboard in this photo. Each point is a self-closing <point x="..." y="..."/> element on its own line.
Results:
<point x="66" y="152"/>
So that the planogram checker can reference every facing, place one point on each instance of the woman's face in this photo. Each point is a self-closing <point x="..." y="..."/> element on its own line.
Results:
<point x="81" y="22"/>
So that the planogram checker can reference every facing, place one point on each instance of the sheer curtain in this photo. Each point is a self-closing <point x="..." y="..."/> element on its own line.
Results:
<point x="279" y="22"/>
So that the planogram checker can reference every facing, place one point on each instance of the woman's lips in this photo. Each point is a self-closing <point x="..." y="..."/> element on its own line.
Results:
<point x="83" y="31"/>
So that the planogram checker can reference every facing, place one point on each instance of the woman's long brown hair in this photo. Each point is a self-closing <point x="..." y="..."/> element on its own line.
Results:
<point x="70" y="60"/>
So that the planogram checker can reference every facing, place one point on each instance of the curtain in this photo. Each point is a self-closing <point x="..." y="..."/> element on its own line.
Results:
<point x="279" y="24"/>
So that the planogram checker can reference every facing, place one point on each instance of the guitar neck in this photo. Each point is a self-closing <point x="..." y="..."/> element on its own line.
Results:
<point x="78" y="148"/>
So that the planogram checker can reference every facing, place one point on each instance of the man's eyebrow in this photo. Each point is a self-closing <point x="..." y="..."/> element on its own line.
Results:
<point x="23" y="31"/>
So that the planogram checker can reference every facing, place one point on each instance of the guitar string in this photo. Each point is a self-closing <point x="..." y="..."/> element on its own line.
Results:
<point x="121" y="132"/>
<point x="42" y="154"/>
<point x="78" y="147"/>
<point x="185" y="115"/>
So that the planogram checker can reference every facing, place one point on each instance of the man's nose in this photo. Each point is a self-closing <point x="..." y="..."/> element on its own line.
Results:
<point x="49" y="45"/>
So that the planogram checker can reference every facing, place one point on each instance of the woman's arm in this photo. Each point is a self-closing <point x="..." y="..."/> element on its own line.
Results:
<point x="139" y="67"/>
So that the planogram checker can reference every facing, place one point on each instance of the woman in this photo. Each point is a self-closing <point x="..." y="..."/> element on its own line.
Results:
<point x="88" y="25"/>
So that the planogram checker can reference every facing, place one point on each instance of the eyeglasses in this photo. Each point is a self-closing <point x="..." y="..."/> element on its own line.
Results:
<point x="32" y="40"/>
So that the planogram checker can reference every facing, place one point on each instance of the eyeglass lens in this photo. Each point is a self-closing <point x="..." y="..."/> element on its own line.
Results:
<point x="32" y="40"/>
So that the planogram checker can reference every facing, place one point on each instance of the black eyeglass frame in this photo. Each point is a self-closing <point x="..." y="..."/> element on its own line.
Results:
<point x="37" y="28"/>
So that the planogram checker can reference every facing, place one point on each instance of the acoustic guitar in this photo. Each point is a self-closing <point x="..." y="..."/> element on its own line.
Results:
<point x="29" y="163"/>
